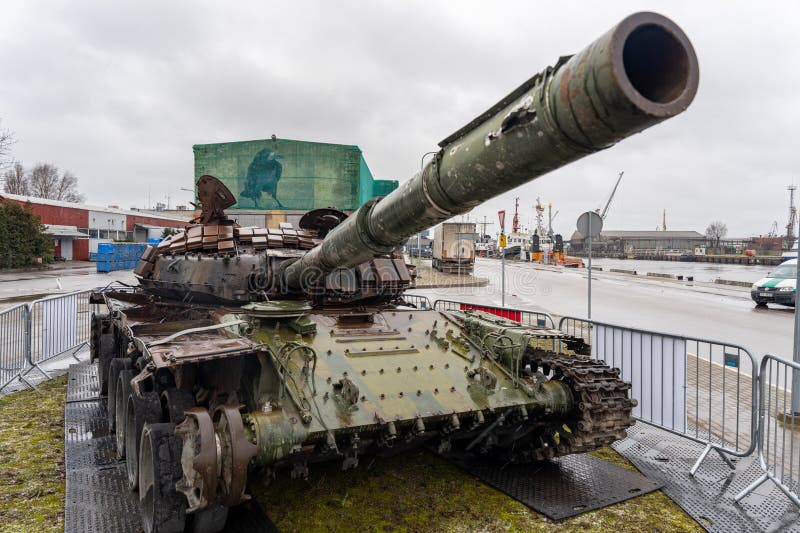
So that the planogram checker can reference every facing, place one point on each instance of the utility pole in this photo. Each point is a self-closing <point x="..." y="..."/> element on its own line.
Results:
<point x="792" y="217"/>
<point x="483" y="227"/>
<point x="502" y="243"/>
<point x="482" y="239"/>
<point x="458" y="247"/>
<point x="589" y="298"/>
<point x="796" y="351"/>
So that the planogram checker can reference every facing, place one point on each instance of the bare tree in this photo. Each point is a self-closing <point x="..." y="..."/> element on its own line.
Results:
<point x="46" y="182"/>
<point x="16" y="180"/>
<point x="6" y="140"/>
<point x="716" y="231"/>
<point x="67" y="188"/>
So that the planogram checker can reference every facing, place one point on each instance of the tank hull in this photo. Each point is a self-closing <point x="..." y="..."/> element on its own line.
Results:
<point x="308" y="385"/>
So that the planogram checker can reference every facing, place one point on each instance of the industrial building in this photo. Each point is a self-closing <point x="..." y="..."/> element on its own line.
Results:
<point x="278" y="180"/>
<point x="77" y="229"/>
<point x="640" y="242"/>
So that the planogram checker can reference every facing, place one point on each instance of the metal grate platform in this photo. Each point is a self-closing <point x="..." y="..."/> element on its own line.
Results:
<point x="708" y="497"/>
<point x="97" y="495"/>
<point x="82" y="383"/>
<point x="563" y="487"/>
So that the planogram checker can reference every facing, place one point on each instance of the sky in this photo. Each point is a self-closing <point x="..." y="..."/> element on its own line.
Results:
<point x="118" y="92"/>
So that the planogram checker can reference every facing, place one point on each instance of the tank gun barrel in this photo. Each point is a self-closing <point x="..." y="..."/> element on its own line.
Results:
<point x="641" y="72"/>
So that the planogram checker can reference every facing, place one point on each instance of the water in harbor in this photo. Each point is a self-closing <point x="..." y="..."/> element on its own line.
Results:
<point x="700" y="271"/>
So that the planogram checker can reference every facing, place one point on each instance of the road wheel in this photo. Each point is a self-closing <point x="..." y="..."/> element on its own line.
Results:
<point x="118" y="364"/>
<point x="108" y="351"/>
<point x="141" y="410"/>
<point x="103" y="347"/>
<point x="123" y="390"/>
<point x="94" y="335"/>
<point x="174" y="403"/>
<point x="163" y="508"/>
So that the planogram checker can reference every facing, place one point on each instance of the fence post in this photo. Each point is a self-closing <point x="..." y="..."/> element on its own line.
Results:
<point x="28" y="344"/>
<point x="771" y="461"/>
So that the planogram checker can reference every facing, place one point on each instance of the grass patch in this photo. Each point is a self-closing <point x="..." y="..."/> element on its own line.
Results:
<point x="32" y="459"/>
<point x="412" y="492"/>
<point x="419" y="491"/>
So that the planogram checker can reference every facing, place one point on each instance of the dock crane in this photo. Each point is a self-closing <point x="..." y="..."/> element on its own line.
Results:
<point x="611" y="197"/>
<point x="773" y="230"/>
<point x="551" y="217"/>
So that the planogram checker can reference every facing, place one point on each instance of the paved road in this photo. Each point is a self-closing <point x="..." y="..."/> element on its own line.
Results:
<point x="695" y="309"/>
<point x="701" y="271"/>
<point x="19" y="287"/>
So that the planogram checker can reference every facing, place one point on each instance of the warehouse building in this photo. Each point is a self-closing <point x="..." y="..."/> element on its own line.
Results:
<point x="77" y="229"/>
<point x="278" y="180"/>
<point x="649" y="242"/>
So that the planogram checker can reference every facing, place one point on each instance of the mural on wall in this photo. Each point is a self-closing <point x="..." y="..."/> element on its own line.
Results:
<point x="285" y="174"/>
<point x="263" y="174"/>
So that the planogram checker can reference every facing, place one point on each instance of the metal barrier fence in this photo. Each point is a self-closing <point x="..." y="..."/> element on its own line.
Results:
<point x="778" y="430"/>
<point x="417" y="301"/>
<point x="31" y="334"/>
<point x="14" y="336"/>
<point x="528" y="318"/>
<point x="59" y="324"/>
<point x="702" y="389"/>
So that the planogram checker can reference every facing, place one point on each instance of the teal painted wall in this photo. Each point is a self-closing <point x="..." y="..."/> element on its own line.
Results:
<point x="292" y="175"/>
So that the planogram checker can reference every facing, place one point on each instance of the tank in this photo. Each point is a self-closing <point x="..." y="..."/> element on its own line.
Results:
<point x="249" y="352"/>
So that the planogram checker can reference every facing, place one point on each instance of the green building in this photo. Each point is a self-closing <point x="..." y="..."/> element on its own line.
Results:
<point x="281" y="178"/>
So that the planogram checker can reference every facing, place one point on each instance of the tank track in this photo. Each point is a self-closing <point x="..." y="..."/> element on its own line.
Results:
<point x="603" y="408"/>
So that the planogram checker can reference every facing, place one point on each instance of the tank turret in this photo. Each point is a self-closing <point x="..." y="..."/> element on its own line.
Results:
<point x="641" y="72"/>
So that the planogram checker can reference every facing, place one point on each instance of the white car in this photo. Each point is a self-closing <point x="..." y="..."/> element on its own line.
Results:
<point x="778" y="287"/>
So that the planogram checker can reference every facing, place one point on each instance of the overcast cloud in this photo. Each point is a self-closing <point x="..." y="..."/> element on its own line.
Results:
<point x="119" y="92"/>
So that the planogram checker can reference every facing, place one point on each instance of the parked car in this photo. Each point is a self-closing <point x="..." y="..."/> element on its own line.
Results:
<point x="778" y="287"/>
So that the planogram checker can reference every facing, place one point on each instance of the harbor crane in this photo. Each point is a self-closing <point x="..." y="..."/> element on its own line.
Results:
<point x="611" y="197"/>
<point x="551" y="217"/>
<point x="773" y="230"/>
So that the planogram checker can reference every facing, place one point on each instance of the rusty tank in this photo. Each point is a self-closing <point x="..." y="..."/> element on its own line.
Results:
<point x="258" y="352"/>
